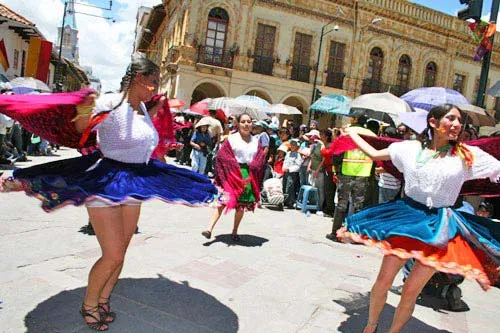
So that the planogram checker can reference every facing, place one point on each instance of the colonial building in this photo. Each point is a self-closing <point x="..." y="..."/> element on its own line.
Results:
<point x="15" y="32"/>
<point x="271" y="48"/>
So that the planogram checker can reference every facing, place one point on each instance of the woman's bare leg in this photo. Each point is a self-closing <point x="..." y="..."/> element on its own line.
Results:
<point x="108" y="227"/>
<point x="130" y="218"/>
<point x="238" y="216"/>
<point x="215" y="217"/>
<point x="419" y="276"/>
<point x="388" y="270"/>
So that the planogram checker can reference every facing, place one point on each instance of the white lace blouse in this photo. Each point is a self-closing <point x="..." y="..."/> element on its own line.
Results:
<point x="124" y="135"/>
<point x="244" y="152"/>
<point x="436" y="182"/>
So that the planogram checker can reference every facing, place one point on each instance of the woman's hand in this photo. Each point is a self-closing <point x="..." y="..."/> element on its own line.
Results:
<point x="158" y="106"/>
<point x="84" y="113"/>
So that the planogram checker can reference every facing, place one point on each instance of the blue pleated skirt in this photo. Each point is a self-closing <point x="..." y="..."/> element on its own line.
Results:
<point x="79" y="180"/>
<point x="444" y="238"/>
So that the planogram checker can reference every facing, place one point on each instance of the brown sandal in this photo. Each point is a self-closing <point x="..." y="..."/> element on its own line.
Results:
<point x="90" y="312"/>
<point x="105" y="311"/>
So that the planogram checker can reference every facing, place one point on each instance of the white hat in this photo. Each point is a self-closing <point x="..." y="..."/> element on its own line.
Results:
<point x="313" y="133"/>
<point x="283" y="148"/>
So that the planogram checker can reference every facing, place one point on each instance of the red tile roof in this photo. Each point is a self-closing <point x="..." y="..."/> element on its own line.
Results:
<point x="12" y="15"/>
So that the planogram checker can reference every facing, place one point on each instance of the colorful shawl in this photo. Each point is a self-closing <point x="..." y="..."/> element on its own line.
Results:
<point x="482" y="187"/>
<point x="48" y="116"/>
<point x="228" y="174"/>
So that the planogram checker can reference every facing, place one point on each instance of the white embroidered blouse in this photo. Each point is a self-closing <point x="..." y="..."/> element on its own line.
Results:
<point x="124" y="135"/>
<point x="244" y="152"/>
<point x="436" y="182"/>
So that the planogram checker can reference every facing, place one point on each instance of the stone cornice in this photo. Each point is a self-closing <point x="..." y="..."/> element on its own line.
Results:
<point x="406" y="38"/>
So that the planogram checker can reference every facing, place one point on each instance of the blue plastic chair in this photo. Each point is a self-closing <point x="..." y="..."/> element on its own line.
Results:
<point x="308" y="198"/>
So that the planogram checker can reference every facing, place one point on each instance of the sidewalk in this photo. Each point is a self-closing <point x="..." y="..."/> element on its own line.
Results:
<point x="284" y="276"/>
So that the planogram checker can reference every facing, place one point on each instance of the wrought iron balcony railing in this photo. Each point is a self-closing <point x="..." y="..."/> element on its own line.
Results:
<point x="300" y="72"/>
<point x="263" y="65"/>
<point x="215" y="56"/>
<point x="335" y="79"/>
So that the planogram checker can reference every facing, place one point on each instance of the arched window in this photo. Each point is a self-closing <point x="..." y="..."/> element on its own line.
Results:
<point x="404" y="71"/>
<point x="375" y="64"/>
<point x="215" y="41"/>
<point x="430" y="74"/>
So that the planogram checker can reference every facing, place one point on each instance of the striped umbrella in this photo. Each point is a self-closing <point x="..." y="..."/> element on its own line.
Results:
<point x="429" y="97"/>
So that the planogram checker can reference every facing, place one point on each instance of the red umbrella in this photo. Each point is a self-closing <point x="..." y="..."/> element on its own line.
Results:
<point x="175" y="103"/>
<point x="202" y="108"/>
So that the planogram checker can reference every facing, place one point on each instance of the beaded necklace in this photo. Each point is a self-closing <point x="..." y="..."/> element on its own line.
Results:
<point x="423" y="160"/>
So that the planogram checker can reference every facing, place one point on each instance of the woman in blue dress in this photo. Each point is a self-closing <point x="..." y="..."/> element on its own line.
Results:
<point x="114" y="185"/>
<point x="424" y="225"/>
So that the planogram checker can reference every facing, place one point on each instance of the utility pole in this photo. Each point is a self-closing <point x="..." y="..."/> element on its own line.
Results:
<point x="58" y="69"/>
<point x="487" y="59"/>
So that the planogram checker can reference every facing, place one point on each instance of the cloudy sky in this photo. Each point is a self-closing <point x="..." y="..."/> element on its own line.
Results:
<point x="104" y="45"/>
<point x="107" y="46"/>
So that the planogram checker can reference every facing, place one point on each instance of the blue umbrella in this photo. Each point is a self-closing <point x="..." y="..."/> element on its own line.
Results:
<point x="429" y="97"/>
<point x="335" y="104"/>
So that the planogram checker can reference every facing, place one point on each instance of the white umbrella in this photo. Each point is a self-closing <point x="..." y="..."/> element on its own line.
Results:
<point x="31" y="83"/>
<point x="281" y="109"/>
<point x="252" y="101"/>
<point x="472" y="108"/>
<point x="231" y="107"/>
<point x="382" y="102"/>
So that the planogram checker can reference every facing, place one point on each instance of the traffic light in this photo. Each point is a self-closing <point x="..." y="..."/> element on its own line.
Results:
<point x="473" y="11"/>
<point x="317" y="94"/>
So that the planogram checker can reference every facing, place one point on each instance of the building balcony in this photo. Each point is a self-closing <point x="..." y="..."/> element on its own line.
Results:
<point x="399" y="90"/>
<point x="215" y="56"/>
<point x="263" y="65"/>
<point x="373" y="86"/>
<point x="300" y="72"/>
<point x="335" y="79"/>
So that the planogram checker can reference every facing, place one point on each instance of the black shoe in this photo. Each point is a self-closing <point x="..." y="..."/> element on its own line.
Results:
<point x="207" y="234"/>
<point x="236" y="238"/>
<point x="331" y="236"/>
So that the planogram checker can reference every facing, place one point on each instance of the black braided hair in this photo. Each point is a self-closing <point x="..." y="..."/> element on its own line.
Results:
<point x="438" y="112"/>
<point x="139" y="64"/>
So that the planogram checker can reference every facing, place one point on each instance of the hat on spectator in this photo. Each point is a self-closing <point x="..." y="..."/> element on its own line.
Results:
<point x="262" y="124"/>
<point x="294" y="141"/>
<point x="312" y="133"/>
<point x="283" y="148"/>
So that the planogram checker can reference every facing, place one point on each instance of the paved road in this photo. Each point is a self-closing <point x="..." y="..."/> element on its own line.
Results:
<point x="283" y="277"/>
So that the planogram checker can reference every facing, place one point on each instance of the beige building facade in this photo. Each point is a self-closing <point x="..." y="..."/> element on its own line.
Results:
<point x="269" y="48"/>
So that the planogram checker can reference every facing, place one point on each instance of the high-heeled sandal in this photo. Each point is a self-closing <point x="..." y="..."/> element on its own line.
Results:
<point x="376" y="327"/>
<point x="105" y="311"/>
<point x="90" y="312"/>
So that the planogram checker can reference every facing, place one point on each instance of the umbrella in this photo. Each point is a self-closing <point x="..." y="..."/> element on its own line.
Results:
<point x="478" y="119"/>
<point x="427" y="98"/>
<point x="186" y="112"/>
<point x="252" y="101"/>
<point x="417" y="120"/>
<point x="335" y="104"/>
<point x="231" y="107"/>
<point x="495" y="90"/>
<point x="381" y="106"/>
<point x="281" y="109"/>
<point x="203" y="109"/>
<point x="175" y="103"/>
<point x="31" y="83"/>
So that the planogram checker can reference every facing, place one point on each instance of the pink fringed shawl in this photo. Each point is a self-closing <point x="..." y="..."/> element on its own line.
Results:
<point x="48" y="116"/>
<point x="481" y="187"/>
<point x="228" y="174"/>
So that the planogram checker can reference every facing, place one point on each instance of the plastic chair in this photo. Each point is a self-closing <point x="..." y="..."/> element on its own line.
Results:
<point x="308" y="198"/>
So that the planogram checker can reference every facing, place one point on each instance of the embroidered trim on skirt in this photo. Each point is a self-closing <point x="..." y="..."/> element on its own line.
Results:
<point x="246" y="201"/>
<point x="443" y="238"/>
<point x="111" y="181"/>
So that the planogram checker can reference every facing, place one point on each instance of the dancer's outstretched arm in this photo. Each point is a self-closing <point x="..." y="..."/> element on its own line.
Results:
<point x="374" y="154"/>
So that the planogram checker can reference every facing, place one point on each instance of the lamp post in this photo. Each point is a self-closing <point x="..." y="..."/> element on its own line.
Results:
<point x="315" y="81"/>
<point x="59" y="84"/>
<point x="375" y="21"/>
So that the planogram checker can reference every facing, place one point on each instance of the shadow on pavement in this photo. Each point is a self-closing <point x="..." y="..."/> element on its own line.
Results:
<point x="141" y="305"/>
<point x="356" y="307"/>
<point x="431" y="298"/>
<point x="246" y="240"/>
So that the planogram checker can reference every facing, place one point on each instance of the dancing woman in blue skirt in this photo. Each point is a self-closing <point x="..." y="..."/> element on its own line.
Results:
<point x="424" y="225"/>
<point x="113" y="185"/>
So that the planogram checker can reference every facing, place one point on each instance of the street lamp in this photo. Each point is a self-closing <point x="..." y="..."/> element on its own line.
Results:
<point x="340" y="12"/>
<point x="59" y="84"/>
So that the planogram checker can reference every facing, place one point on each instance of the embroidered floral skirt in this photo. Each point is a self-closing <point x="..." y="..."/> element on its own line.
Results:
<point x="246" y="201"/>
<point x="78" y="180"/>
<point x="443" y="238"/>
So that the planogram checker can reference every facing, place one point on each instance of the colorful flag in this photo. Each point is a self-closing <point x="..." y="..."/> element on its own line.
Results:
<point x="33" y="54"/>
<point x="44" y="60"/>
<point x="4" y="60"/>
<point x="37" y="64"/>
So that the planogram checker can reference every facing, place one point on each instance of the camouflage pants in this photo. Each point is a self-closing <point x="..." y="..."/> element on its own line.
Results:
<point x="349" y="187"/>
